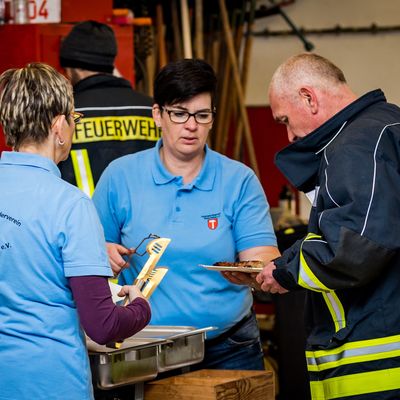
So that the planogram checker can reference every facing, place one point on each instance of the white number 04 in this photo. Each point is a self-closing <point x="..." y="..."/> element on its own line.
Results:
<point x="38" y="9"/>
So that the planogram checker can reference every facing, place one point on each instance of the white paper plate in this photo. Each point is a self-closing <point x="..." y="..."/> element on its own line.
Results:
<point x="230" y="268"/>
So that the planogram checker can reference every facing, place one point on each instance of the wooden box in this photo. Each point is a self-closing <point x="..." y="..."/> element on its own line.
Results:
<point x="213" y="385"/>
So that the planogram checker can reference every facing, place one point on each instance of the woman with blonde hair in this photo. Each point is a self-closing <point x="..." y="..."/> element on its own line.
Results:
<point x="53" y="262"/>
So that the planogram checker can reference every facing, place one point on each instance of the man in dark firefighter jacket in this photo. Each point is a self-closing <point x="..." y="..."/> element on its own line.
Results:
<point x="117" y="120"/>
<point x="345" y="153"/>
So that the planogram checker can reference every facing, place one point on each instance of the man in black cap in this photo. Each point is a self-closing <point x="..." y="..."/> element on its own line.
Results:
<point x="117" y="120"/>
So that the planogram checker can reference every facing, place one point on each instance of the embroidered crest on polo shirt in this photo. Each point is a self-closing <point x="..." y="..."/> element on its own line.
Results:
<point x="212" y="220"/>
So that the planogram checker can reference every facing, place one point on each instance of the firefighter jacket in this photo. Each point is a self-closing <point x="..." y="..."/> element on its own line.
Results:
<point x="349" y="262"/>
<point x="117" y="121"/>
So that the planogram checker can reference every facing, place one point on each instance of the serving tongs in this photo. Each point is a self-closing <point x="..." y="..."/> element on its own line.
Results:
<point x="155" y="249"/>
<point x="150" y="277"/>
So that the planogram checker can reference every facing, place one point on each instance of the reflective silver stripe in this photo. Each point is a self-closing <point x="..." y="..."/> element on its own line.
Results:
<point x="311" y="361"/>
<point x="336" y="310"/>
<point x="305" y="278"/>
<point x="306" y="275"/>
<point x="355" y="352"/>
<point x="83" y="177"/>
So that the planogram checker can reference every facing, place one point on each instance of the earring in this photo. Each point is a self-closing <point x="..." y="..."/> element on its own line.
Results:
<point x="61" y="142"/>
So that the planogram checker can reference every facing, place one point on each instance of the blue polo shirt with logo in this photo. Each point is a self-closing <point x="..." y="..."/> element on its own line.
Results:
<point x="221" y="213"/>
<point x="49" y="231"/>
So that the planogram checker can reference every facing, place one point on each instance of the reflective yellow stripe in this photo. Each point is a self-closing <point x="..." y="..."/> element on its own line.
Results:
<point x="353" y="360"/>
<point x="306" y="277"/>
<point x="317" y="390"/>
<point x="354" y="352"/>
<point x="313" y="236"/>
<point x="121" y="128"/>
<point x="308" y="280"/>
<point x="82" y="170"/>
<point x="356" y="384"/>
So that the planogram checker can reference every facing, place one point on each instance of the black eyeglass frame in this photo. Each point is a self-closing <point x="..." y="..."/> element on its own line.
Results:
<point x="212" y="113"/>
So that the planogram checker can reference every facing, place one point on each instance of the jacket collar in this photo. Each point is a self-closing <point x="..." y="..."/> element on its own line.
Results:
<point x="203" y="181"/>
<point x="100" y="81"/>
<point x="30" y="160"/>
<point x="300" y="161"/>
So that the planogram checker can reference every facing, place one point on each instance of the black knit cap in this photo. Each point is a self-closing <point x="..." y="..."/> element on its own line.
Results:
<point x="90" y="45"/>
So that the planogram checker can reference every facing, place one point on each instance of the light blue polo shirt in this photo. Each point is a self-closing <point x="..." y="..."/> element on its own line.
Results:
<point x="222" y="212"/>
<point x="49" y="230"/>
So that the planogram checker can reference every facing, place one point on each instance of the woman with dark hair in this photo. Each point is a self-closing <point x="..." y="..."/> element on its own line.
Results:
<point x="212" y="208"/>
<point x="53" y="259"/>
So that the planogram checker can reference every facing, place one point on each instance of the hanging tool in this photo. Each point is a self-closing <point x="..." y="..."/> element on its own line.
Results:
<point x="277" y="9"/>
<point x="176" y="30"/>
<point x="239" y="90"/>
<point x="162" y="50"/>
<point x="199" y="41"/>
<point x="238" y="136"/>
<point x="187" y="39"/>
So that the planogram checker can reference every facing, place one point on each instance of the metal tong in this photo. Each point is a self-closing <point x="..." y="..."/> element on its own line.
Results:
<point x="150" y="277"/>
<point x="155" y="249"/>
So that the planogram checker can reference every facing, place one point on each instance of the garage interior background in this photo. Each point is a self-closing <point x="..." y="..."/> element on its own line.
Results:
<point x="360" y="36"/>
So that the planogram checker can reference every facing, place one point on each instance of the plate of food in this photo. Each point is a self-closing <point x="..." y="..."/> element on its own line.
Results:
<point x="249" y="266"/>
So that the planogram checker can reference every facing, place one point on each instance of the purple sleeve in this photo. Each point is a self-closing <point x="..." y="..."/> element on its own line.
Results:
<point x="102" y="320"/>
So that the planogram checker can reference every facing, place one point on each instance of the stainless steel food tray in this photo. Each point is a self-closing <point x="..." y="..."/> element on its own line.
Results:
<point x="135" y="361"/>
<point x="184" y="345"/>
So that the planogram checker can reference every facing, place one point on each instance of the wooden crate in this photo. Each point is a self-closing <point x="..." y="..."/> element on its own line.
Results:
<point x="209" y="384"/>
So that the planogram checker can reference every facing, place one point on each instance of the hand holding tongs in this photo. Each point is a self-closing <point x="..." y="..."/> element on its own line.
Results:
<point x="150" y="277"/>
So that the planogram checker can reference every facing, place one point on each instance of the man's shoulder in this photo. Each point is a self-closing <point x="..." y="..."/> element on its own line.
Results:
<point x="376" y="119"/>
<point x="108" y="89"/>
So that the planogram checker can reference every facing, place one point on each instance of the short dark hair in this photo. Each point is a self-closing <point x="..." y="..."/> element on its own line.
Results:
<point x="181" y="80"/>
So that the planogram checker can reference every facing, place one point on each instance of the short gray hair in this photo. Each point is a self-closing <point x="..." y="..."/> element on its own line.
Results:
<point x="30" y="98"/>
<point x="307" y="68"/>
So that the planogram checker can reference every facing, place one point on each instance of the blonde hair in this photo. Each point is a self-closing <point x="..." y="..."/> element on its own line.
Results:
<point x="307" y="69"/>
<point x="30" y="98"/>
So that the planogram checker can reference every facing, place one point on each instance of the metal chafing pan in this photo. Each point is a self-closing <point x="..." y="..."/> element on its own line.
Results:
<point x="184" y="345"/>
<point x="135" y="361"/>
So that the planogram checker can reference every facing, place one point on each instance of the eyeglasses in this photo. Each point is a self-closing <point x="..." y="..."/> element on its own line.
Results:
<point x="180" y="116"/>
<point x="76" y="116"/>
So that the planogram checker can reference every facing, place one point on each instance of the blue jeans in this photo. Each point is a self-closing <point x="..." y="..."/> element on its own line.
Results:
<point x="240" y="350"/>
